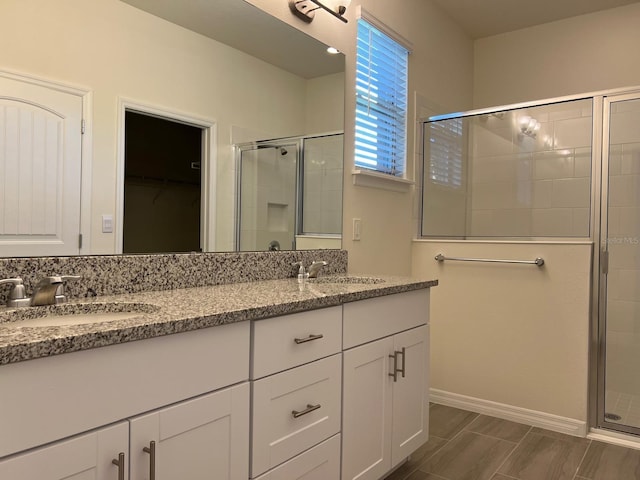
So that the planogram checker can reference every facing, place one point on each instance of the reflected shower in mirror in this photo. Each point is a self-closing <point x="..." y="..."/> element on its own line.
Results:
<point x="217" y="65"/>
<point x="290" y="193"/>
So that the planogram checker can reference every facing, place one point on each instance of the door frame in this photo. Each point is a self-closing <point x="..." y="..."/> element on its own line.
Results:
<point x="208" y="174"/>
<point x="86" y="142"/>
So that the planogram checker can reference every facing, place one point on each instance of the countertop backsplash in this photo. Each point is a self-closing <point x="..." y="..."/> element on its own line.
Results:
<point x="117" y="274"/>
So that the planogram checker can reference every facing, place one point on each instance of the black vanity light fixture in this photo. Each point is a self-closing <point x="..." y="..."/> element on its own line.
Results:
<point x="306" y="9"/>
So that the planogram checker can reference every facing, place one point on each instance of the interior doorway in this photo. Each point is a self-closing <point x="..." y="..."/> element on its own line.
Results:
<point x="162" y="185"/>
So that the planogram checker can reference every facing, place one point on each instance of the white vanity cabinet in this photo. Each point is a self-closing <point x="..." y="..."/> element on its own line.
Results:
<point x="385" y="411"/>
<point x="203" y="438"/>
<point x="188" y="393"/>
<point x="296" y="396"/>
<point x="86" y="457"/>
<point x="206" y="437"/>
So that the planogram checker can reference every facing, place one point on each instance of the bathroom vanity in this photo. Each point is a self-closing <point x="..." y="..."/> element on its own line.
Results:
<point x="269" y="380"/>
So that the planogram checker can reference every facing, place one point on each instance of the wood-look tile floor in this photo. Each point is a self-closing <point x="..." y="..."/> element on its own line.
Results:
<point x="467" y="446"/>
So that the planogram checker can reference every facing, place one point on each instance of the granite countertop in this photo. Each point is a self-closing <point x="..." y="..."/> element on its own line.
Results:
<point x="173" y="311"/>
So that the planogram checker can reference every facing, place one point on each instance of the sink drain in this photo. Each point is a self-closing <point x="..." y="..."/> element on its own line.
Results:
<point x="612" y="416"/>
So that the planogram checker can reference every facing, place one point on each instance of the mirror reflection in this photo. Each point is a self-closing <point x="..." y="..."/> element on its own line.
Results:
<point x="290" y="193"/>
<point x="225" y="70"/>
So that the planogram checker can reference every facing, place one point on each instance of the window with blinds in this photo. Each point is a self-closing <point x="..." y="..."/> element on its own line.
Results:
<point x="445" y="152"/>
<point x="381" y="102"/>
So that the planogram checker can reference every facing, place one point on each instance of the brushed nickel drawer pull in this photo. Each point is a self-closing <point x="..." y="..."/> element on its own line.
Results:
<point x="151" y="450"/>
<point x="308" y="339"/>
<point x="310" y="408"/>
<point x="120" y="464"/>
<point x="404" y="360"/>
<point x="395" y="366"/>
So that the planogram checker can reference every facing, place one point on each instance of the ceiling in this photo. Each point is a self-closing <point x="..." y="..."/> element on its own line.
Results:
<point x="483" y="18"/>
<point x="246" y="28"/>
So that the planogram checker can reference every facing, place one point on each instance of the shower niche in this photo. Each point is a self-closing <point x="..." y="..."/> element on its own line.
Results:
<point x="289" y="193"/>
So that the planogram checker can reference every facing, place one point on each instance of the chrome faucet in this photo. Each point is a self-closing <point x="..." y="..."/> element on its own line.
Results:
<point x="48" y="291"/>
<point x="315" y="267"/>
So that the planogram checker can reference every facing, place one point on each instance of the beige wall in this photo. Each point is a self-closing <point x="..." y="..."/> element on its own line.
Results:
<point x="581" y="54"/>
<point x="511" y="334"/>
<point x="115" y="50"/>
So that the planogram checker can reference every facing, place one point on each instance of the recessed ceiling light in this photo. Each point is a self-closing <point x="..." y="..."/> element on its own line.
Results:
<point x="333" y="50"/>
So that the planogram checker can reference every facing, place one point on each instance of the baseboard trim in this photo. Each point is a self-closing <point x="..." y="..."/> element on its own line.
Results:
<point x="535" y="418"/>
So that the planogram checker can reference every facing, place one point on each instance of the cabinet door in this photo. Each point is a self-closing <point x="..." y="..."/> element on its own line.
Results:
<point x="366" y="421"/>
<point x="203" y="438"/>
<point x="86" y="457"/>
<point x="410" y="394"/>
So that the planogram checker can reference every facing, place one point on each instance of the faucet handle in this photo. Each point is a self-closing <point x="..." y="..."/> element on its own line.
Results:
<point x="17" y="287"/>
<point x="17" y="294"/>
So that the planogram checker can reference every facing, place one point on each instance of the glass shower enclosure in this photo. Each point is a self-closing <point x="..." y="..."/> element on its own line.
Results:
<point x="289" y="193"/>
<point x="563" y="169"/>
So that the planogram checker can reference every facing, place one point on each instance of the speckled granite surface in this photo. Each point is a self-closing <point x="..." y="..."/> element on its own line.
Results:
<point x="115" y="274"/>
<point x="179" y="310"/>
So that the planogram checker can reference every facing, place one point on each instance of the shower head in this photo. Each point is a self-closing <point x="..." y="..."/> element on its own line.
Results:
<point x="283" y="151"/>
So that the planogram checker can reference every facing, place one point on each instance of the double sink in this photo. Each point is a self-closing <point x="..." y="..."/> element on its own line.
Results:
<point x="70" y="314"/>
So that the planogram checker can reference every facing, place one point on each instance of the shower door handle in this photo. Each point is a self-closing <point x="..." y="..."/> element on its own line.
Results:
<point x="604" y="261"/>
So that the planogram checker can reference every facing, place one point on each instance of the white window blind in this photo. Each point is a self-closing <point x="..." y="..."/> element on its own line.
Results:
<point x="445" y="152"/>
<point x="381" y="102"/>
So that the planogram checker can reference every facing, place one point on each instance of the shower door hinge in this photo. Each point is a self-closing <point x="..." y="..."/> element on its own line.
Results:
<point x="604" y="261"/>
<point x="82" y="126"/>
<point x="79" y="241"/>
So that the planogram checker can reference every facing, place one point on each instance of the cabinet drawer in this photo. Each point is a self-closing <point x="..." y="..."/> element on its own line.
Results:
<point x="295" y="410"/>
<point x="322" y="462"/>
<point x="374" y="318"/>
<point x="284" y="342"/>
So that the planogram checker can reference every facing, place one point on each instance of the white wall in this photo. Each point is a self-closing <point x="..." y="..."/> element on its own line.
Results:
<point x="581" y="54"/>
<point x="115" y="51"/>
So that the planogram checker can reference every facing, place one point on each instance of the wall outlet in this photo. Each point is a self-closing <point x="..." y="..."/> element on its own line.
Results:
<point x="107" y="223"/>
<point x="357" y="229"/>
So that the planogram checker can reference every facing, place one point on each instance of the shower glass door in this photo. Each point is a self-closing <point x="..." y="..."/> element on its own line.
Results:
<point x="620" y="295"/>
<point x="267" y="206"/>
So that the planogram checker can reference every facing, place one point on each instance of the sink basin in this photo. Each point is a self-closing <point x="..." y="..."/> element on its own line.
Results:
<point x="73" y="314"/>
<point x="348" y="280"/>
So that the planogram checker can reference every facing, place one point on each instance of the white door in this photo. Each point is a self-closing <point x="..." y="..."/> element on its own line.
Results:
<point x="87" y="457"/>
<point x="40" y="169"/>
<point x="410" y="405"/>
<point x="366" y="411"/>
<point x="200" y="439"/>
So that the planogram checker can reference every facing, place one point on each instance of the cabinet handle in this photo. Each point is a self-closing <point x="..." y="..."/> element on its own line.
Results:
<point x="397" y="370"/>
<point x="120" y="464"/>
<point x="308" y="339"/>
<point x="310" y="408"/>
<point x="395" y="366"/>
<point x="404" y="360"/>
<point x="151" y="450"/>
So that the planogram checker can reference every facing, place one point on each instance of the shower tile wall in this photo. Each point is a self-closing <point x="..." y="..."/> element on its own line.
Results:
<point x="531" y="184"/>
<point x="322" y="188"/>
<point x="623" y="281"/>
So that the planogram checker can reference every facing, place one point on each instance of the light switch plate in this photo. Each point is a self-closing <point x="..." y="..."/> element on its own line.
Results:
<point x="357" y="229"/>
<point x="107" y="223"/>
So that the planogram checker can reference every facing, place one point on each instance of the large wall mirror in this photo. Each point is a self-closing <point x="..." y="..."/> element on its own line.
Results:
<point x="201" y="116"/>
